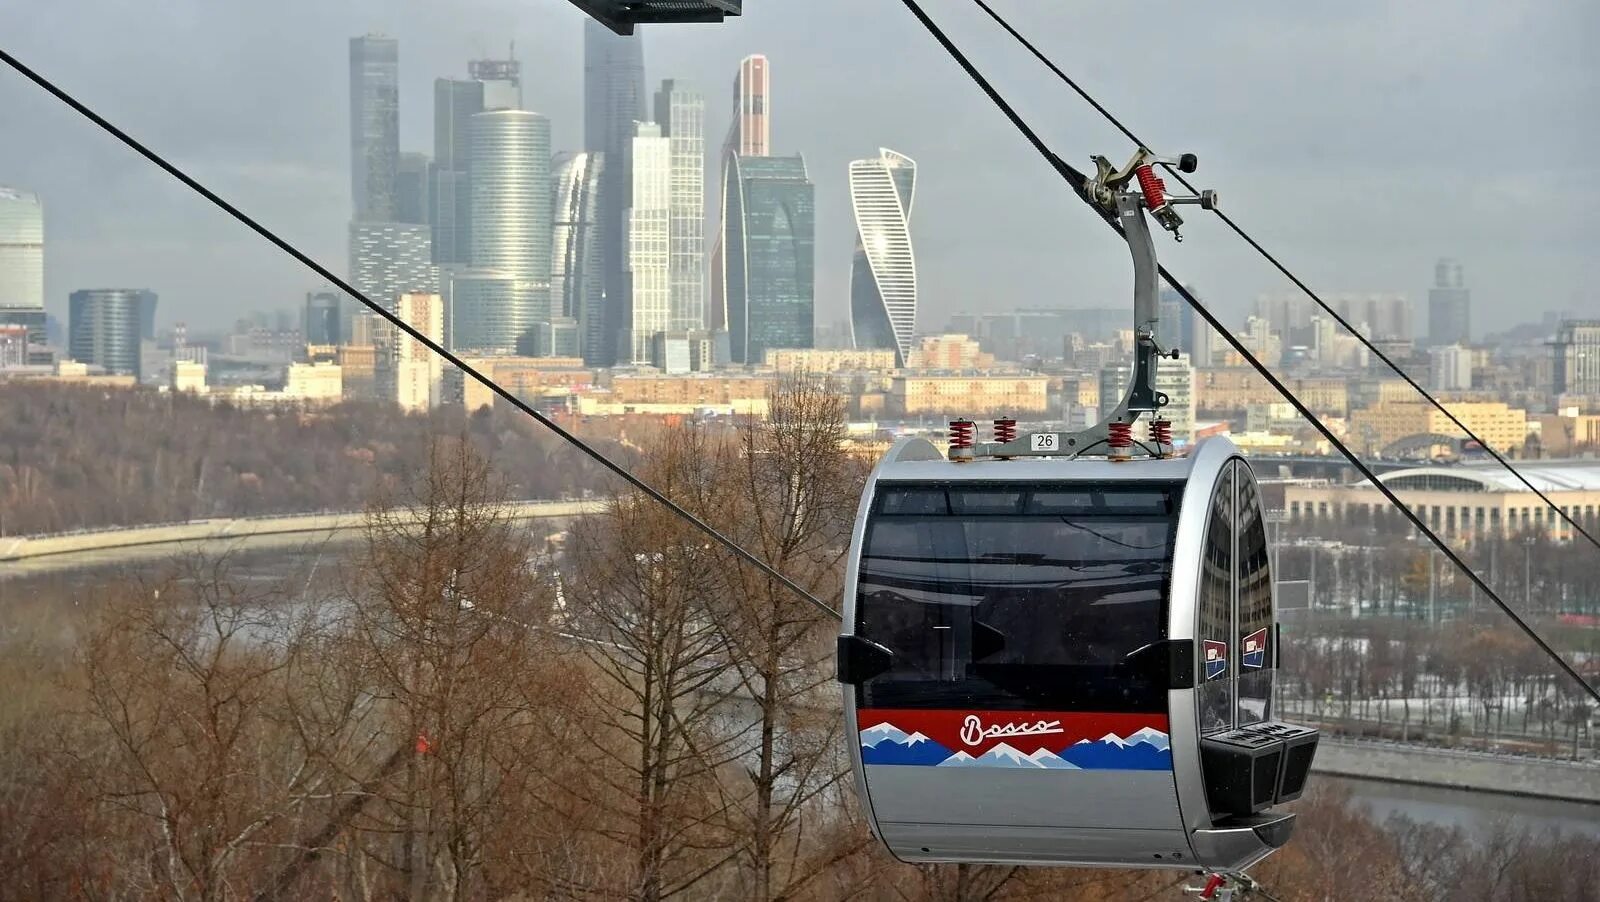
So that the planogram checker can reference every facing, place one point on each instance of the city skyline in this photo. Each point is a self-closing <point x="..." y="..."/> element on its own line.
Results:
<point x="1541" y="281"/>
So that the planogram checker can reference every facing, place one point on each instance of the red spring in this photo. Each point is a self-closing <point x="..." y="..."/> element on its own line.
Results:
<point x="1161" y="432"/>
<point x="961" y="433"/>
<point x="1155" y="190"/>
<point x="1120" y="435"/>
<point x="1005" y="430"/>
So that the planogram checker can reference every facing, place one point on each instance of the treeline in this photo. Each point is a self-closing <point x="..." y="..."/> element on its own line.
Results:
<point x="465" y="714"/>
<point x="76" y="457"/>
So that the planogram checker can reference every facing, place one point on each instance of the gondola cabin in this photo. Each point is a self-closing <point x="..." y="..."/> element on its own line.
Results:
<point x="1067" y="662"/>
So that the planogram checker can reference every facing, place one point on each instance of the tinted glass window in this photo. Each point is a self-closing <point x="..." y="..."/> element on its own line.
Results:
<point x="1255" y="636"/>
<point x="990" y="607"/>
<point x="1216" y="647"/>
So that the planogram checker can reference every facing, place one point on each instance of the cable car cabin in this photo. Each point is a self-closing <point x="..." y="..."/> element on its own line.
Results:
<point x="1052" y="661"/>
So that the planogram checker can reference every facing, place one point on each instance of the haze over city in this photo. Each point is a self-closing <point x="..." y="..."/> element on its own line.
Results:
<point x="1404" y="135"/>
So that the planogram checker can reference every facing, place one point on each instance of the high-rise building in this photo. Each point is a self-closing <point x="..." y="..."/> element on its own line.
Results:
<point x="411" y="189"/>
<point x="455" y="102"/>
<point x="501" y="80"/>
<point x="749" y="135"/>
<point x="21" y="250"/>
<point x="1451" y="368"/>
<point x="374" y="125"/>
<point x="769" y="236"/>
<point x="1449" y="306"/>
<point x="388" y="259"/>
<point x="104" y="327"/>
<point x="648" y="229"/>
<point x="613" y="100"/>
<point x="512" y="210"/>
<point x="681" y="113"/>
<point x="577" y="285"/>
<point x="487" y="311"/>
<point x="883" y="275"/>
<point x="321" y="325"/>
<point x="1577" y="358"/>
<point x="412" y="375"/>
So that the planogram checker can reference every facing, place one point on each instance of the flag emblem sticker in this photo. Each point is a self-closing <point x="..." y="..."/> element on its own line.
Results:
<point x="1254" y="654"/>
<point x="1216" y="658"/>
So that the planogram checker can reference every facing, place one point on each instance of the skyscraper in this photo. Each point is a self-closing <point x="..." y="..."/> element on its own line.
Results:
<point x="511" y="205"/>
<point x="883" y="275"/>
<point x="321" y="325"/>
<point x="681" y="113"/>
<point x="769" y="240"/>
<point x="501" y="80"/>
<point x="21" y="250"/>
<point x="413" y="376"/>
<point x="450" y="200"/>
<point x="1449" y="306"/>
<point x="388" y="259"/>
<point x="749" y="135"/>
<point x="507" y="291"/>
<point x="103" y="327"/>
<point x="648" y="229"/>
<point x="613" y="100"/>
<point x="577" y="285"/>
<point x="411" y="189"/>
<point x="374" y="125"/>
<point x="1577" y="357"/>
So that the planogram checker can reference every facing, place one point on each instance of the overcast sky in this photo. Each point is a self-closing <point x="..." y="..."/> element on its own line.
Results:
<point x="1359" y="140"/>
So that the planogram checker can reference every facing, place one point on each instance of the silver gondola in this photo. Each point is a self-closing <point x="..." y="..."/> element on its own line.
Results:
<point x="1059" y="648"/>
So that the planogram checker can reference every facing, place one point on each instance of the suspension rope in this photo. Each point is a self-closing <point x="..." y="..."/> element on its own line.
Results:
<point x="405" y="327"/>
<point x="1284" y="270"/>
<point x="1078" y="180"/>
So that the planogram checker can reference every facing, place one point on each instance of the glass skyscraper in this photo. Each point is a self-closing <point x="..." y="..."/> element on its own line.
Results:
<point x="883" y="275"/>
<point x="769" y="245"/>
<point x="681" y="113"/>
<point x="577" y="284"/>
<point x="374" y="125"/>
<point x="749" y="135"/>
<point x="648" y="228"/>
<point x="450" y="200"/>
<point x="1449" y="306"/>
<point x="21" y="250"/>
<point x="104" y="327"/>
<point x="388" y="259"/>
<point x="613" y="100"/>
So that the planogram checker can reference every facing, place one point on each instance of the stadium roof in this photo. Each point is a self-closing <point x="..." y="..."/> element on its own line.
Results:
<point x="621" y="15"/>
<point x="1488" y="476"/>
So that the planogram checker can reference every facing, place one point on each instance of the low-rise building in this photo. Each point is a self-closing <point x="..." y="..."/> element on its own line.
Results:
<point x="319" y="383"/>
<point x="828" y="360"/>
<point x="1387" y="422"/>
<point x="976" y="396"/>
<point x="188" y="376"/>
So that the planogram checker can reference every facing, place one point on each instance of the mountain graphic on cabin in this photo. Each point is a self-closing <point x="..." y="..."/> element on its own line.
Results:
<point x="1145" y="749"/>
<point x="887" y="744"/>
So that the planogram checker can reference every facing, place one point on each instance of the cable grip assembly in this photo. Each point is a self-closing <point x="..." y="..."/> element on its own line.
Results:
<point x="1110" y="181"/>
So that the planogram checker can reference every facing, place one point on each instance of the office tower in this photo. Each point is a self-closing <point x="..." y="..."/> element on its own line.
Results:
<point x="374" y="125"/>
<point x="501" y="80"/>
<point x="511" y="217"/>
<point x="388" y="259"/>
<point x="1576" y="351"/>
<point x="681" y="113"/>
<point x="411" y="189"/>
<point x="450" y="199"/>
<point x="769" y="235"/>
<point x="613" y="100"/>
<point x="749" y="135"/>
<point x="1449" y="306"/>
<point x="104" y="327"/>
<point x="487" y="311"/>
<point x="648" y="229"/>
<point x="883" y="275"/>
<point x="577" y="284"/>
<point x="321" y="325"/>
<point x="21" y="250"/>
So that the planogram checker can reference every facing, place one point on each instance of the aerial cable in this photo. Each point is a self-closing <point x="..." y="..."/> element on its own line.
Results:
<point x="1078" y="180"/>
<point x="1284" y="270"/>
<point x="405" y="327"/>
